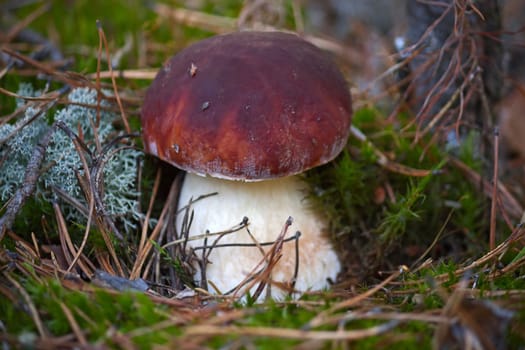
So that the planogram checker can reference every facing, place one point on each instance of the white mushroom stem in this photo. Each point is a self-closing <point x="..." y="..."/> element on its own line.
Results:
<point x="267" y="205"/>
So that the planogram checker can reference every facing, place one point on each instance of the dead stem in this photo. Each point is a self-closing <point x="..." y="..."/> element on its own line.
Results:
<point x="320" y="319"/>
<point x="102" y="39"/>
<point x="374" y="314"/>
<point x="144" y="231"/>
<point x="18" y="27"/>
<point x="31" y="306"/>
<point x="85" y="237"/>
<point x="383" y="161"/>
<point x="261" y="272"/>
<point x="71" y="79"/>
<point x="143" y="254"/>
<point x="508" y="203"/>
<point x="30" y="178"/>
<point x="486" y="259"/>
<point x="75" y="327"/>
<point x="236" y="228"/>
<point x="415" y="264"/>
<point x="139" y="74"/>
<point x="216" y="24"/>
<point x="286" y="333"/>
<point x="494" y="197"/>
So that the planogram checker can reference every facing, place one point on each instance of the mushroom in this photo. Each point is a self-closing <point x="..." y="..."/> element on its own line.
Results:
<point x="242" y="113"/>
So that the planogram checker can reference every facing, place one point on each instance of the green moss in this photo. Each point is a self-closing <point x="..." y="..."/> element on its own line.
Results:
<point x="413" y="209"/>
<point x="95" y="313"/>
<point x="401" y="213"/>
<point x="15" y="318"/>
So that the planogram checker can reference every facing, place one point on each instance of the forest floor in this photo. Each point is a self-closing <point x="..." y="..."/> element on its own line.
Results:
<point x="429" y="229"/>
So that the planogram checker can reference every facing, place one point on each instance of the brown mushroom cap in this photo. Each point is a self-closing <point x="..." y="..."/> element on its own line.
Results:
<point x="247" y="106"/>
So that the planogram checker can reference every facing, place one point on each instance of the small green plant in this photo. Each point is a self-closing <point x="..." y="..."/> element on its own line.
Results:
<point x="402" y="212"/>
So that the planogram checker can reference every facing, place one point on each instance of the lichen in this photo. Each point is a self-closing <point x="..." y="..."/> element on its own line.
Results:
<point x="62" y="162"/>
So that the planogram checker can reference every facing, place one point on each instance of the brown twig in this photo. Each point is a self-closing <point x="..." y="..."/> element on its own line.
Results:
<point x="30" y="305"/>
<point x="384" y="162"/>
<point x="287" y="333"/>
<point x="69" y="78"/>
<point x="16" y="29"/>
<point x="216" y="24"/>
<point x="79" y="334"/>
<point x="28" y="186"/>
<point x="145" y="74"/>
<point x="508" y="203"/>
<point x="102" y="38"/>
<point x="320" y="319"/>
<point x="143" y="254"/>
<point x="495" y="180"/>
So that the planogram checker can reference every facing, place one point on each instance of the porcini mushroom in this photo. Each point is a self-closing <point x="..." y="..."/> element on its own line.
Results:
<point x="242" y="113"/>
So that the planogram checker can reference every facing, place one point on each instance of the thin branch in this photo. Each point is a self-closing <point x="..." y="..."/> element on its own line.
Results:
<point x="29" y="184"/>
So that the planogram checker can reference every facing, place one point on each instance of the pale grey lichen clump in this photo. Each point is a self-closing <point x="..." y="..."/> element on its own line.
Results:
<point x="62" y="161"/>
